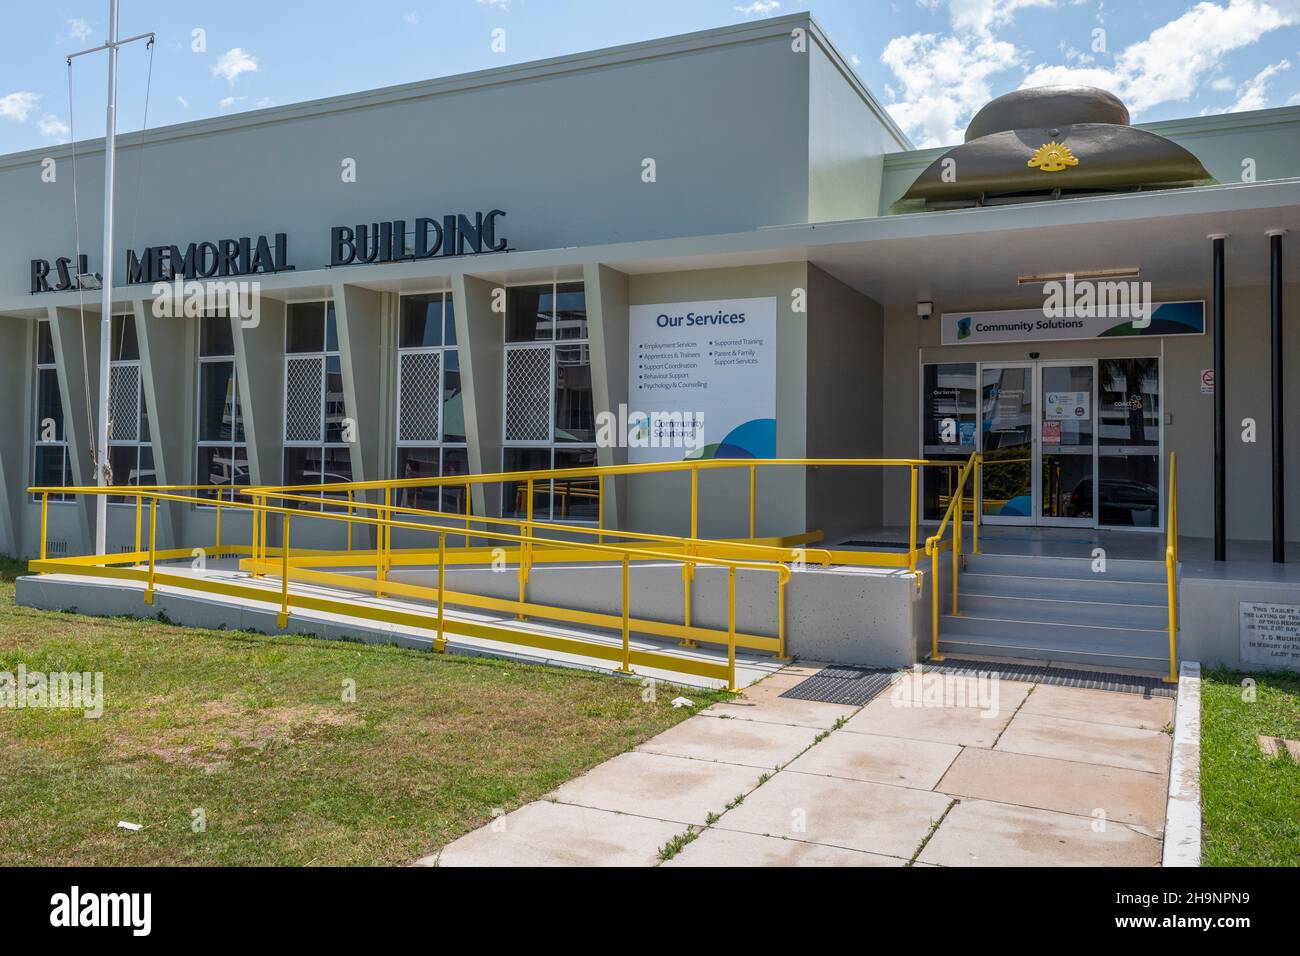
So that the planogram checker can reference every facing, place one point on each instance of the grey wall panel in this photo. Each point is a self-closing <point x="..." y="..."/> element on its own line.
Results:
<point x="167" y="367"/>
<point x="17" y="352"/>
<point x="360" y="322"/>
<point x="845" y="353"/>
<point x="76" y="348"/>
<point x="607" y="291"/>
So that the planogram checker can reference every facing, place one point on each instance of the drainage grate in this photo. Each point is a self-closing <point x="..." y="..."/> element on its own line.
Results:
<point x="1061" y="677"/>
<point x="854" y="686"/>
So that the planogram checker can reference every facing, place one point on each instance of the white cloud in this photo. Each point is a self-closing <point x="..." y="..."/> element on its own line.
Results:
<point x="185" y="104"/>
<point x="51" y="125"/>
<point x="78" y="29"/>
<point x="1253" y="94"/>
<point x="1170" y="63"/>
<point x="503" y="5"/>
<point x="943" y="80"/>
<point x="411" y="18"/>
<point x="981" y="16"/>
<point x="1223" y="83"/>
<point x="234" y="62"/>
<point x="18" y="106"/>
<point x="759" y="8"/>
<point x="226" y="102"/>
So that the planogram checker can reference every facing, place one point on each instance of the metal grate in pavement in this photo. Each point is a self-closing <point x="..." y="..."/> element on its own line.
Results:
<point x="854" y="686"/>
<point x="1062" y="677"/>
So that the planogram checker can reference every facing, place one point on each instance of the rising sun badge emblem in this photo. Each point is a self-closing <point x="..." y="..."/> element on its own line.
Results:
<point x="1053" y="157"/>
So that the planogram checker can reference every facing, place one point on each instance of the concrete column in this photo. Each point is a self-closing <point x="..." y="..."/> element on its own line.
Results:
<point x="607" y="326"/>
<point x="259" y="365"/>
<point x="166" y="376"/>
<point x="480" y="333"/>
<point x="360" y="324"/>
<point x="78" y="372"/>
<point x="17" y="357"/>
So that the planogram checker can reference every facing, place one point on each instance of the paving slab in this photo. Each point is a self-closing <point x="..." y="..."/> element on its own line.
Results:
<point x="556" y="834"/>
<point x="852" y="814"/>
<point x="1100" y="707"/>
<point x="906" y="763"/>
<point x="1134" y="797"/>
<point x="746" y="742"/>
<point x="716" y="847"/>
<point x="904" y="712"/>
<point x="679" y="789"/>
<point x="981" y="833"/>
<point x="768" y="706"/>
<point x="1109" y="745"/>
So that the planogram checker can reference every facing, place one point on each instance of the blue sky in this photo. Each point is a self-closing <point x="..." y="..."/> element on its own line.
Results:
<point x="931" y="62"/>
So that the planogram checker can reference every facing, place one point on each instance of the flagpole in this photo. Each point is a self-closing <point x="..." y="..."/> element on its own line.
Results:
<point x="106" y="311"/>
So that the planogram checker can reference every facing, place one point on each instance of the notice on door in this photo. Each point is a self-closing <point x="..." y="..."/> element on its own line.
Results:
<point x="1066" y="406"/>
<point x="1270" y="634"/>
<point x="705" y="371"/>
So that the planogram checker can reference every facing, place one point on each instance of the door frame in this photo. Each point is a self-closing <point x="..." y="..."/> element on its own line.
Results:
<point x="1039" y="518"/>
<point x="1031" y="366"/>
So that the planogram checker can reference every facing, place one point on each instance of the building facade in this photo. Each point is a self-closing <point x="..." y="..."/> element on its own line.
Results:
<point x="471" y="274"/>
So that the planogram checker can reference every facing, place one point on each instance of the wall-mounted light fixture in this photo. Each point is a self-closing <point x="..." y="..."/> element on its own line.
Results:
<point x="924" y="310"/>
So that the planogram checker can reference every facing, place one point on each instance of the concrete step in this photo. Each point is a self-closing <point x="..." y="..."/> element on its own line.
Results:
<point x="1052" y="633"/>
<point x="1080" y="568"/>
<point x="1105" y="588"/>
<point x="1024" y="607"/>
<point x="1095" y="654"/>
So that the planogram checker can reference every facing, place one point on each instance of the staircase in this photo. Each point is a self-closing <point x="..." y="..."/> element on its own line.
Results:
<point x="1059" y="609"/>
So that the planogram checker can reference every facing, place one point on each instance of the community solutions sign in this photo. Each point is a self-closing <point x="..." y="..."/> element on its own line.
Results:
<point x="1033" y="325"/>
<point x="702" y="365"/>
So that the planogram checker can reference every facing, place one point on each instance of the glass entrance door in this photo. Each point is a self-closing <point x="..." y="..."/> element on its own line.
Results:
<point x="1067" y="461"/>
<point x="1007" y="423"/>
<point x="1128" y="442"/>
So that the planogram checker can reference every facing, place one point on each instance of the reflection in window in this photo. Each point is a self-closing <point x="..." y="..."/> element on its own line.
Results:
<point x="51" y="465"/>
<point x="222" y="455"/>
<point x="315" y="412"/>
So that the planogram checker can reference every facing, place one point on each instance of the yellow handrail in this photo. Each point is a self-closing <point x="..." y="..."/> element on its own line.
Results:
<point x="933" y="545"/>
<point x="1171" y="568"/>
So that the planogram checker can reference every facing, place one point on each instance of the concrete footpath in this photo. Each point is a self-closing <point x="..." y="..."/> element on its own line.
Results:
<point x="937" y="770"/>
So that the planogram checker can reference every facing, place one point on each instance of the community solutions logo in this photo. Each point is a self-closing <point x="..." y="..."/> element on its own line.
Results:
<point x="963" y="328"/>
<point x="74" y="908"/>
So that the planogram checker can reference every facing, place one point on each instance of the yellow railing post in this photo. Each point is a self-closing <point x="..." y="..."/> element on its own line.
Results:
<point x="283" y="618"/>
<point x="153" y="547"/>
<point x="688" y="575"/>
<point x="956" y="538"/>
<point x="381" y="540"/>
<point x="934" y="601"/>
<point x="911" y="526"/>
<point x="139" y="504"/>
<point x="977" y="498"/>
<point x="600" y="509"/>
<point x="524" y="553"/>
<point x="780" y="616"/>
<point x="695" y="501"/>
<point x="1171" y="568"/>
<point x="217" y="545"/>
<point x="731" y="628"/>
<point x="45" y="523"/>
<point x="441" y="644"/>
<point x="753" y="501"/>
<point x="626" y="666"/>
<point x="351" y="509"/>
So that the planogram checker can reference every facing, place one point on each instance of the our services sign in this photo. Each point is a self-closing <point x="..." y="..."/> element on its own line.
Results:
<point x="1035" y="325"/>
<point x="707" y="367"/>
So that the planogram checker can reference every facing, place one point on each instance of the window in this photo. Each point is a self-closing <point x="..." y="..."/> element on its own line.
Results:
<point x="51" y="465"/>
<point x="315" y="419"/>
<point x="130" y="452"/>
<point x="222" y="453"/>
<point x="549" y="412"/>
<point x="430" y="406"/>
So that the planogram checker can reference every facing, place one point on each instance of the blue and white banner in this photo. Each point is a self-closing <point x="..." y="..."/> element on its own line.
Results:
<point x="1036" y="325"/>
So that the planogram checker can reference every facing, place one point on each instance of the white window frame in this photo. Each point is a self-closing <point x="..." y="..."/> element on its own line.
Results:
<point x="440" y="444"/>
<point x="51" y="367"/>
<point x="552" y="344"/>
<point x="324" y="355"/>
<point x="201" y="443"/>
<point x="142" y="414"/>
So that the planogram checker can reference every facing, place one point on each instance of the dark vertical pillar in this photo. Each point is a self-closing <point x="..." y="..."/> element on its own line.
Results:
<point x="1220" y="408"/>
<point x="1279" y="469"/>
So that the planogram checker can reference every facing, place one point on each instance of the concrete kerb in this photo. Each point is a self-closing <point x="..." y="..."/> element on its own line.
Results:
<point x="1182" y="845"/>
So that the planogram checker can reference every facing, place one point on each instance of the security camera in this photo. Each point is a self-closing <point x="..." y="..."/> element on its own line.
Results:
<point x="924" y="309"/>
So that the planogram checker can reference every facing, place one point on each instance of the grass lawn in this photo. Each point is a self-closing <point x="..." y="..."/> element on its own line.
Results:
<point x="253" y="731"/>
<point x="1250" y="803"/>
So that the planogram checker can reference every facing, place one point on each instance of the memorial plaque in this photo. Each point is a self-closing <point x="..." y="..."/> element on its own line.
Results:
<point x="1270" y="634"/>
